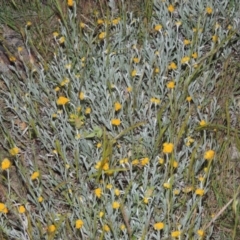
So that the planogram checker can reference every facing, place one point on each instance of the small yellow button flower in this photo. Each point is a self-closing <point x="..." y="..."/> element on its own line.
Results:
<point x="122" y="227"/>
<point x="155" y="101"/>
<point x="161" y="161"/>
<point x="35" y="175"/>
<point x="136" y="60"/>
<point x="100" y="22"/>
<point x="117" y="106"/>
<point x="214" y="38"/>
<point x="202" y="123"/>
<point x="78" y="224"/>
<point x="145" y="200"/>
<point x="88" y="110"/>
<point x="200" y="233"/>
<point x="40" y="199"/>
<point x="158" y="27"/>
<point x="209" y="155"/>
<point x="102" y="35"/>
<point x="171" y="84"/>
<point x="185" y="60"/>
<point x="144" y="161"/>
<point x="158" y="226"/>
<point x="21" y="209"/>
<point x="194" y="55"/>
<point x="82" y="25"/>
<point x="134" y="73"/>
<point x="135" y="162"/>
<point x="51" y="229"/>
<point x="116" y="122"/>
<point x="101" y="214"/>
<point x="115" y="205"/>
<point x="116" y="192"/>
<point x="6" y="164"/>
<point x="186" y="42"/>
<point x="199" y="192"/>
<point x="61" y="40"/>
<point x="209" y="10"/>
<point x="106" y="228"/>
<point x="175" y="234"/>
<point x="70" y="3"/>
<point x="171" y="8"/>
<point x="98" y="192"/>
<point x="168" y="147"/>
<point x="129" y="89"/>
<point x="62" y="100"/>
<point x="189" y="99"/>
<point x="14" y="151"/>
<point x="81" y="95"/>
<point x="167" y="185"/>
<point x="3" y="208"/>
<point x="172" y="66"/>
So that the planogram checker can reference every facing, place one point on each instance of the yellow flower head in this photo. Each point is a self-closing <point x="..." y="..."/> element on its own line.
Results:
<point x="214" y="38"/>
<point x="51" y="229"/>
<point x="134" y="73"/>
<point x="200" y="233"/>
<point x="172" y="66"/>
<point x="78" y="224"/>
<point x="209" y="10"/>
<point x="144" y="161"/>
<point x="62" y="100"/>
<point x="40" y="199"/>
<point x="102" y="35"/>
<point x="115" y="205"/>
<point x="116" y="122"/>
<point x="171" y="84"/>
<point x="116" y="192"/>
<point x="145" y="200"/>
<point x="185" y="60"/>
<point x="199" y="192"/>
<point x="129" y="89"/>
<point x="106" y="228"/>
<point x="21" y="209"/>
<point x="61" y="40"/>
<point x="122" y="227"/>
<point x="82" y="25"/>
<point x="186" y="42"/>
<point x="101" y="214"/>
<point x="100" y="22"/>
<point x="81" y="95"/>
<point x="171" y="8"/>
<point x="88" y="110"/>
<point x="55" y="34"/>
<point x="194" y="55"/>
<point x="98" y="192"/>
<point x="5" y="164"/>
<point x="70" y="3"/>
<point x="189" y="99"/>
<point x="136" y="60"/>
<point x="167" y="185"/>
<point x="158" y="226"/>
<point x="35" y="175"/>
<point x="168" y="147"/>
<point x="155" y="100"/>
<point x="202" y="123"/>
<point x="14" y="151"/>
<point x="3" y="208"/>
<point x="161" y="161"/>
<point x="175" y="234"/>
<point x="209" y="155"/>
<point x="135" y="162"/>
<point x="116" y="21"/>
<point x="158" y="27"/>
<point x="117" y="106"/>
<point x="12" y="59"/>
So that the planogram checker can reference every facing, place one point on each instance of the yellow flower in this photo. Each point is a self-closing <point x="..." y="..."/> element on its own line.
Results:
<point x="209" y="10"/>
<point x="156" y="70"/>
<point x="155" y="100"/>
<point x="145" y="200"/>
<point x="195" y="55"/>
<point x="167" y="185"/>
<point x="161" y="161"/>
<point x="62" y="100"/>
<point x="144" y="161"/>
<point x="64" y="81"/>
<point x="61" y="40"/>
<point x="109" y="186"/>
<point x="106" y="228"/>
<point x="100" y="22"/>
<point x="134" y="73"/>
<point x="135" y="162"/>
<point x="200" y="233"/>
<point x="187" y="189"/>
<point x="175" y="234"/>
<point x="185" y="60"/>
<point x="202" y="123"/>
<point x="129" y="89"/>
<point x="56" y="89"/>
<point x="82" y="25"/>
<point x="214" y="38"/>
<point x="55" y="34"/>
<point x="209" y="155"/>
<point x="136" y="60"/>
<point x="172" y="66"/>
<point x="189" y="99"/>
<point x="178" y="23"/>
<point x="12" y="59"/>
<point x="98" y="192"/>
<point x="117" y="106"/>
<point x="99" y="145"/>
<point x="158" y="226"/>
<point x="186" y="42"/>
<point x="176" y="191"/>
<point x="168" y="147"/>
<point x="122" y="227"/>
<point x="28" y="24"/>
<point x="105" y="167"/>
<point x="116" y="192"/>
<point x="70" y="3"/>
<point x="171" y="8"/>
<point x="14" y="151"/>
<point x="81" y="95"/>
<point x="102" y="35"/>
<point x="78" y="224"/>
<point x="21" y="209"/>
<point x="40" y="199"/>
<point x="88" y="110"/>
<point x="3" y="208"/>
<point x="5" y="164"/>
<point x="175" y="164"/>
<point x="51" y="229"/>
<point x="35" y="175"/>
<point x="20" y="49"/>
<point x="116" y="21"/>
<point x="101" y="214"/>
<point x="123" y="161"/>
<point x="115" y="205"/>
<point x="171" y="84"/>
<point x="158" y="27"/>
<point x="199" y="192"/>
<point x="116" y="122"/>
